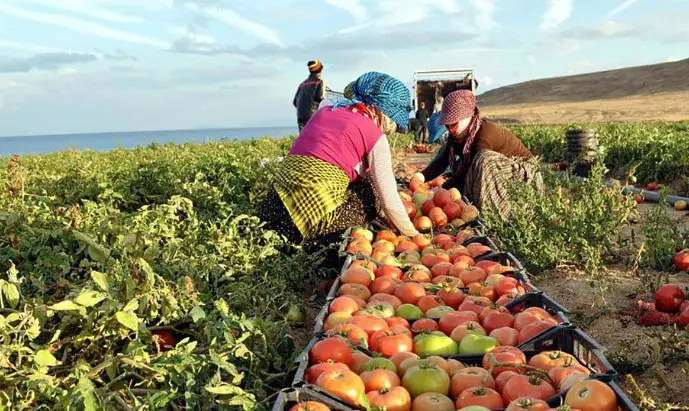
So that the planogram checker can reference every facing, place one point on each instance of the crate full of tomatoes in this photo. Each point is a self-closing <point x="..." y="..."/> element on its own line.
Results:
<point x="564" y="366"/>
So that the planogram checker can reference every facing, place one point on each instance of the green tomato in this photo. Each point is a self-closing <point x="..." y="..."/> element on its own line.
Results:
<point x="425" y="378"/>
<point x="381" y="309"/>
<point x="474" y="408"/>
<point x="437" y="312"/>
<point x="363" y="232"/>
<point x="420" y="336"/>
<point x="409" y="312"/>
<point x="435" y="344"/>
<point x="477" y="344"/>
<point x="419" y="199"/>
<point x="379" y="363"/>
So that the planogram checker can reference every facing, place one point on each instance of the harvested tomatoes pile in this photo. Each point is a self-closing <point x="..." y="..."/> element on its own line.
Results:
<point x="443" y="321"/>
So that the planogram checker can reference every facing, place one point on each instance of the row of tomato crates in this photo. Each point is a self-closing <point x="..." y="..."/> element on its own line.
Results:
<point x="563" y="337"/>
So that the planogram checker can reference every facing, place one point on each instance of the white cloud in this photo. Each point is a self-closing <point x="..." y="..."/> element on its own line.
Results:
<point x="483" y="13"/>
<point x="233" y="19"/>
<point x="81" y="26"/>
<point x="86" y="8"/>
<point x="558" y="12"/>
<point x="27" y="47"/>
<point x="400" y="12"/>
<point x="625" y="5"/>
<point x="353" y="7"/>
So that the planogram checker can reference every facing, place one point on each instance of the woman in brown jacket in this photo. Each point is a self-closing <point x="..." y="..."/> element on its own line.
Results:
<point x="483" y="157"/>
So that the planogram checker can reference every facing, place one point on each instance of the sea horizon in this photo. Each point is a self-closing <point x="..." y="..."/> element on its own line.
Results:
<point x="103" y="141"/>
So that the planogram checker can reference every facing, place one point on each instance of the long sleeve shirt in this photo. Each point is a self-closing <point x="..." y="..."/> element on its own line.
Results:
<point x="491" y="136"/>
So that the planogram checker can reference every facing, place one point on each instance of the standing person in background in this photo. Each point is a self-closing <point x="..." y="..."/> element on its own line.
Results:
<point x="438" y="106"/>
<point x="422" y="118"/>
<point x="338" y="173"/>
<point x="484" y="157"/>
<point x="310" y="93"/>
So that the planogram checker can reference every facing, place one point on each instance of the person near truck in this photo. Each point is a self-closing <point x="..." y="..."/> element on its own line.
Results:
<point x="422" y="119"/>
<point x="484" y="158"/>
<point x="310" y="93"/>
<point x="338" y="173"/>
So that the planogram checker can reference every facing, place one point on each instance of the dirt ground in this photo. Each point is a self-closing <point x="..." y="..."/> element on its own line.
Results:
<point x="663" y="106"/>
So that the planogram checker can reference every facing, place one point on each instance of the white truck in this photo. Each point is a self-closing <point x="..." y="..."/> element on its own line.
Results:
<point x="429" y="85"/>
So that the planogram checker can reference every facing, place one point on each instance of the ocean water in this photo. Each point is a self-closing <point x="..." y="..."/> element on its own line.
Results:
<point x="109" y="141"/>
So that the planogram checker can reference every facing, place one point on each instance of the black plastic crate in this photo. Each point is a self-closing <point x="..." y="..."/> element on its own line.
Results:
<point x="292" y="396"/>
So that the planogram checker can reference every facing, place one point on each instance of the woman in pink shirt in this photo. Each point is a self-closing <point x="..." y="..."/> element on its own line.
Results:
<point x="338" y="173"/>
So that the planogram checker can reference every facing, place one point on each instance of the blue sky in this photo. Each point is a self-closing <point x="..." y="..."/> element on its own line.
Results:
<point x="117" y="65"/>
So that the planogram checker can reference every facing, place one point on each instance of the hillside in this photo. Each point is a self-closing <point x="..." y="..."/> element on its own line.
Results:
<point x="605" y="85"/>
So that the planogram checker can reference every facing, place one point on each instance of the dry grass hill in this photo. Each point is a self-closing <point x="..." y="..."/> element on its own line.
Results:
<point x="654" y="92"/>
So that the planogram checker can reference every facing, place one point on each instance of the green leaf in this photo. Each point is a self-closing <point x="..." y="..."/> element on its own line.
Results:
<point x="197" y="314"/>
<point x="146" y="268"/>
<point x="102" y="280"/>
<point x="96" y="251"/>
<point x="43" y="358"/>
<point x="128" y="319"/>
<point x="12" y="274"/>
<point x="86" y="389"/>
<point x="224" y="390"/>
<point x="11" y="294"/>
<point x="89" y="298"/>
<point x="133" y="305"/>
<point x="66" y="305"/>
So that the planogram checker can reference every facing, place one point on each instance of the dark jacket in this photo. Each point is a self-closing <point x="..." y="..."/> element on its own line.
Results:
<point x="422" y="116"/>
<point x="309" y="95"/>
<point x="491" y="136"/>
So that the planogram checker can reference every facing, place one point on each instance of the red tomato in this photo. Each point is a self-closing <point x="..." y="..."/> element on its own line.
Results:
<point x="389" y="271"/>
<point x="386" y="298"/>
<point x="315" y="371"/>
<point x="471" y="377"/>
<point x="507" y="286"/>
<point x="345" y="304"/>
<point x="410" y="293"/>
<point x="527" y="386"/>
<point x="548" y="360"/>
<point x="427" y="302"/>
<point x="369" y="323"/>
<point x="432" y="401"/>
<point x="506" y="336"/>
<point x="591" y="395"/>
<point x="483" y="290"/>
<point x="333" y="349"/>
<point x="390" y="343"/>
<point x="497" y="320"/>
<point x="166" y="340"/>
<point x="527" y="404"/>
<point x="683" y="319"/>
<point x="379" y="379"/>
<point x="483" y="397"/>
<point x="343" y="384"/>
<point x="534" y="329"/>
<point x="424" y="325"/>
<point x="394" y="399"/>
<point x="451" y="321"/>
<point x="669" y="297"/>
<point x="503" y="355"/>
<point x="384" y="285"/>
<point x="355" y="335"/>
<point x="502" y="379"/>
<point x="451" y="296"/>
<point x="310" y="406"/>
<point x="397" y="321"/>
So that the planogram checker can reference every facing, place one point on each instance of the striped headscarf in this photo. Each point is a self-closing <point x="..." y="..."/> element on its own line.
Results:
<point x="315" y="66"/>
<point x="460" y="105"/>
<point x="384" y="93"/>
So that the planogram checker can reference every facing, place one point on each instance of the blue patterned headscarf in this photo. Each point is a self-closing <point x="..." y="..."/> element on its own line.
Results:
<point x="383" y="92"/>
<point x="435" y="129"/>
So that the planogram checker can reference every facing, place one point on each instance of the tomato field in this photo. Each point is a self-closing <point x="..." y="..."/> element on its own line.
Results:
<point x="141" y="279"/>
